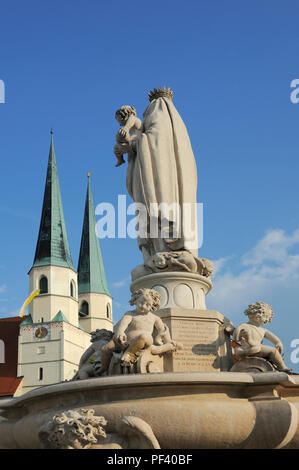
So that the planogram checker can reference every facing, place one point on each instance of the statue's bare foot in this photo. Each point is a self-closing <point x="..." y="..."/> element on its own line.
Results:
<point x="120" y="162"/>
<point x="128" y="359"/>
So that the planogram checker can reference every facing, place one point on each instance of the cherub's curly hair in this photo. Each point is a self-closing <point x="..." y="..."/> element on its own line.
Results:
<point x="124" y="112"/>
<point x="155" y="297"/>
<point x="103" y="334"/>
<point x="260" y="309"/>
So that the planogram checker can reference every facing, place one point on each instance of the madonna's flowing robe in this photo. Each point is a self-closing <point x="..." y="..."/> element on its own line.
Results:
<point x="163" y="170"/>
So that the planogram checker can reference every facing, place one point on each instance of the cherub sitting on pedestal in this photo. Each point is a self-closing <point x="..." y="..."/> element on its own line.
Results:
<point x="251" y="336"/>
<point x="127" y="135"/>
<point x="135" y="331"/>
<point x="88" y="369"/>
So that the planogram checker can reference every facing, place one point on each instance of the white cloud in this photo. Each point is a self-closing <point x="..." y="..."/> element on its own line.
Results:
<point x="268" y="266"/>
<point x="3" y="288"/>
<point x="219" y="263"/>
<point x="117" y="305"/>
<point x="121" y="283"/>
<point x="272" y="247"/>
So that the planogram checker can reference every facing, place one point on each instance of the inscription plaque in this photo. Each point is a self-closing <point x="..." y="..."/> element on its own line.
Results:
<point x="201" y="337"/>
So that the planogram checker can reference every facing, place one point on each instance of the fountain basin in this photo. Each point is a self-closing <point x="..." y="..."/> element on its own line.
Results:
<point x="184" y="410"/>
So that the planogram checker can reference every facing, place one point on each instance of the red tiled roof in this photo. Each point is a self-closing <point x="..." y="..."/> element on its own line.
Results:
<point x="9" y="334"/>
<point x="13" y="319"/>
<point x="9" y="385"/>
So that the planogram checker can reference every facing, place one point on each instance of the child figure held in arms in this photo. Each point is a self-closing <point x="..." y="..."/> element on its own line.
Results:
<point x="251" y="336"/>
<point x="135" y="330"/>
<point x="126" y="137"/>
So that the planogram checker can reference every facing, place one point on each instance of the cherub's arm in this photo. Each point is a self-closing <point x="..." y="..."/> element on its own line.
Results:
<point x="237" y="333"/>
<point x="122" y="326"/>
<point x="274" y="339"/>
<point x="161" y="329"/>
<point x="132" y="121"/>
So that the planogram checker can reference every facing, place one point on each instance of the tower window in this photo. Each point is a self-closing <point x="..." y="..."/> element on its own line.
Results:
<point x="41" y="350"/>
<point x="43" y="285"/>
<point x="108" y="310"/>
<point x="41" y="373"/>
<point x="84" y="309"/>
<point x="72" y="289"/>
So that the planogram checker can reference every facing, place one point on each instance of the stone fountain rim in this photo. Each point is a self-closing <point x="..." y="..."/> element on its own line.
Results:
<point x="160" y="379"/>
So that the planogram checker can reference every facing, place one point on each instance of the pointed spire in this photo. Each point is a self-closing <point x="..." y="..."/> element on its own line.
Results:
<point x="52" y="245"/>
<point x="91" y="272"/>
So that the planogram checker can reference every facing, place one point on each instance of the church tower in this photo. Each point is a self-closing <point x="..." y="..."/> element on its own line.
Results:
<point x="51" y="340"/>
<point x="53" y="272"/>
<point x="95" y="301"/>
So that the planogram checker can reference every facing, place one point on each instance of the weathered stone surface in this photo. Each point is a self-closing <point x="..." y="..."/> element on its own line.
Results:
<point x="222" y="410"/>
<point x="161" y="172"/>
<point x="206" y="346"/>
<point x="177" y="289"/>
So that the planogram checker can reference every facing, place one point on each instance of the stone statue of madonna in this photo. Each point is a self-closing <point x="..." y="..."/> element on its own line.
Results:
<point x="161" y="178"/>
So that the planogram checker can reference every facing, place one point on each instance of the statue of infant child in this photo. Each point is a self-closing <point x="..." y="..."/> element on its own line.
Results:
<point x="251" y="335"/>
<point x="127" y="135"/>
<point x="90" y="361"/>
<point x="135" y="331"/>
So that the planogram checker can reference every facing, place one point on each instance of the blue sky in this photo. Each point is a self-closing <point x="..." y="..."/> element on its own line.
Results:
<point x="69" y="65"/>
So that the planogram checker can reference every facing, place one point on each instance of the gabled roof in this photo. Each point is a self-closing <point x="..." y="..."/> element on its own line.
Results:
<point x="59" y="318"/>
<point x="27" y="321"/>
<point x="91" y="272"/>
<point x="52" y="245"/>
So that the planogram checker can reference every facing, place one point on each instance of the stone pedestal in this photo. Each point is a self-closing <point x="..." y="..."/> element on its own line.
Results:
<point x="177" y="289"/>
<point x="206" y="346"/>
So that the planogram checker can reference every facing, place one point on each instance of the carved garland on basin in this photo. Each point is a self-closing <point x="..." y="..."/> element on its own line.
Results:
<point x="81" y="429"/>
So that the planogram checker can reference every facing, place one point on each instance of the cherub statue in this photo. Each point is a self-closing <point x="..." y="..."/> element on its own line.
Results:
<point x="135" y="331"/>
<point x="173" y="261"/>
<point x="251" y="335"/>
<point x="127" y="135"/>
<point x="207" y="267"/>
<point x="87" y="369"/>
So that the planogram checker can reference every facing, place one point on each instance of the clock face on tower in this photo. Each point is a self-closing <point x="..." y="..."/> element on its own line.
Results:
<point x="41" y="332"/>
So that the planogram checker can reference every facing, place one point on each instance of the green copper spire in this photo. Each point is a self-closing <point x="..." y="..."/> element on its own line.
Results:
<point x="91" y="272"/>
<point x="52" y="245"/>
